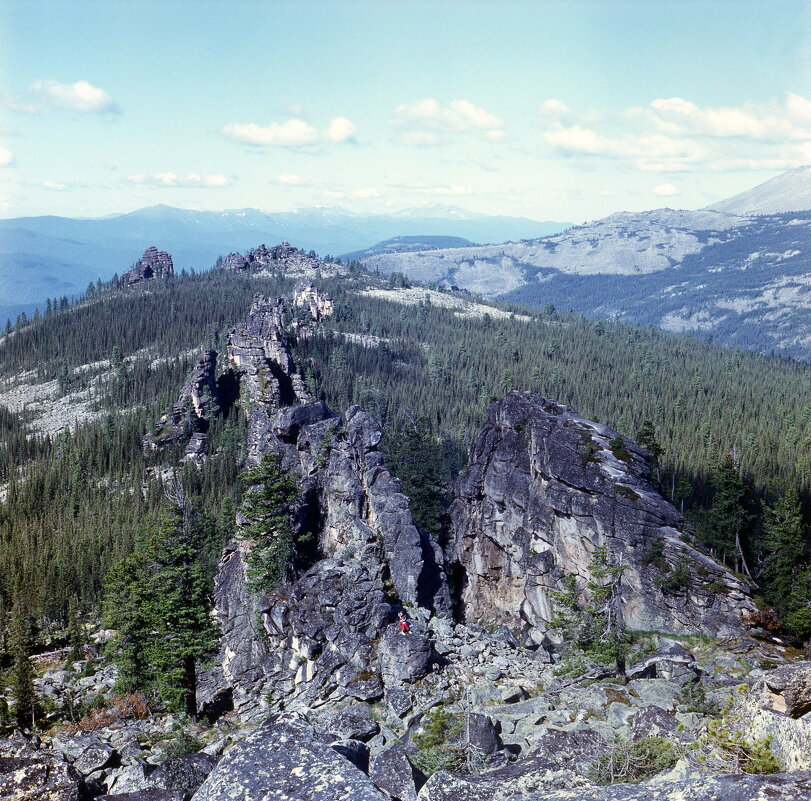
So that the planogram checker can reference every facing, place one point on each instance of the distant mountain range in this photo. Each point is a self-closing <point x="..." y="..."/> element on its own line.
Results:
<point x="742" y="279"/>
<point x="43" y="257"/>
<point x="407" y="244"/>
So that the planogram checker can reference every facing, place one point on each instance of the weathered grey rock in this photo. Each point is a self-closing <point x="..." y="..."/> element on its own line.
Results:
<point x="184" y="774"/>
<point x="404" y="658"/>
<point x="392" y="771"/>
<point x="353" y="724"/>
<point x="653" y="721"/>
<point x="481" y="733"/>
<point x="129" y="779"/>
<point x="153" y="264"/>
<point x="284" y="758"/>
<point x="29" y="773"/>
<point x="542" y="491"/>
<point x="742" y="787"/>
<point x="672" y="662"/>
<point x="149" y="794"/>
<point x="399" y="701"/>
<point x="95" y="757"/>
<point x="788" y="689"/>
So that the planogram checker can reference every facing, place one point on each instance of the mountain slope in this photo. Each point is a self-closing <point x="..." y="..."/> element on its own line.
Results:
<point x="745" y="281"/>
<point x="790" y="191"/>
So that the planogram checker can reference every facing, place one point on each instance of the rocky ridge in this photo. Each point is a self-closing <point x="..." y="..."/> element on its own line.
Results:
<point x="283" y="257"/>
<point x="353" y="704"/>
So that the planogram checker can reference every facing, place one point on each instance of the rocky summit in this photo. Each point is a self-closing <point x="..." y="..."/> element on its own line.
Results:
<point x="153" y="264"/>
<point x="316" y="692"/>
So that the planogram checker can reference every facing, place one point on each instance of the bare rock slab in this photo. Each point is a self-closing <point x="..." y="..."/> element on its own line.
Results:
<point x="284" y="759"/>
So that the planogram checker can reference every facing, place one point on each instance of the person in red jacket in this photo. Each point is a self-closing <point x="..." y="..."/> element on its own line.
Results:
<point x="402" y="623"/>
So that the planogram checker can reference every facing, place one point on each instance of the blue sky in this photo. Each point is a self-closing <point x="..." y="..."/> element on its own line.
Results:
<point x="552" y="110"/>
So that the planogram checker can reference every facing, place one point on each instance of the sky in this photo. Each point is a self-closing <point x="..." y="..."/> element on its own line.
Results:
<point x="550" y="110"/>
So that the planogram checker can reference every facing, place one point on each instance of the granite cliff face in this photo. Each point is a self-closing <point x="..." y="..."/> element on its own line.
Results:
<point x="544" y="489"/>
<point x="284" y="258"/>
<point x="153" y="264"/>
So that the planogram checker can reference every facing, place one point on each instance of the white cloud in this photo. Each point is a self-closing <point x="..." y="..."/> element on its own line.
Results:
<point x="340" y="129"/>
<point x="79" y="96"/>
<point x="6" y="157"/>
<point x="424" y="122"/>
<point x="291" y="179"/>
<point x="436" y="190"/>
<point x="295" y="133"/>
<point x="666" y="190"/>
<point x="678" y="116"/>
<point x="56" y="186"/>
<point x="676" y="135"/>
<point x="171" y="179"/>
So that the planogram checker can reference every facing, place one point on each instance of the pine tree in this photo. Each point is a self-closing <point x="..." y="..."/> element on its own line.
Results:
<point x="22" y="671"/>
<point x="270" y="491"/>
<point x="646" y="438"/>
<point x="75" y="635"/>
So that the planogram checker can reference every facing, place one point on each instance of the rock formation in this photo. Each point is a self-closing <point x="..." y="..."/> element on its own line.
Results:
<point x="544" y="489"/>
<point x="153" y="264"/>
<point x="283" y="258"/>
<point x="201" y="399"/>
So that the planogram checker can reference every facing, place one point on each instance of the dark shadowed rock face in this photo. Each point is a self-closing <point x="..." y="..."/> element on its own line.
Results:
<point x="153" y="264"/>
<point x="285" y="759"/>
<point x="200" y="401"/>
<point x="543" y="490"/>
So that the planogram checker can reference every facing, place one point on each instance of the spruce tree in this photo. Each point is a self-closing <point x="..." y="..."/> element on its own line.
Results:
<point x="21" y="677"/>
<point x="266" y="506"/>
<point x="783" y="543"/>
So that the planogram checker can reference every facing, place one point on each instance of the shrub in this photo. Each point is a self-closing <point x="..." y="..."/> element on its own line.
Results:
<point x="433" y="750"/>
<point x="181" y="744"/>
<point x="635" y="762"/>
<point x="618" y="448"/>
<point x="737" y="754"/>
<point x="676" y="580"/>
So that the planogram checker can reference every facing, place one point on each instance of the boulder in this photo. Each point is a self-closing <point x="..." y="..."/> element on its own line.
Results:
<point x="354" y="751"/>
<point x="29" y="773"/>
<point x="392" y="771"/>
<point x="404" y="658"/>
<point x="671" y="661"/>
<point x="153" y="264"/>
<point x="788" y="689"/>
<point x="354" y="723"/>
<point x="95" y="757"/>
<point x="184" y="773"/>
<point x="653" y="721"/>
<point x="284" y="758"/>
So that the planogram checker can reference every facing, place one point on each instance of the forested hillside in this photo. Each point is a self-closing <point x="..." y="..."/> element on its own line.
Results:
<point x="426" y="363"/>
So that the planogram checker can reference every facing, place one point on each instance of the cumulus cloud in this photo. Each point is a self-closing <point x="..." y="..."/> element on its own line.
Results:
<point x="425" y="122"/>
<point x="294" y="133"/>
<point x="666" y="190"/>
<point x="340" y="130"/>
<point x="50" y="95"/>
<point x="55" y="186"/>
<point x="171" y="179"/>
<point x="291" y="179"/>
<point x="6" y="157"/>
<point x="675" y="135"/>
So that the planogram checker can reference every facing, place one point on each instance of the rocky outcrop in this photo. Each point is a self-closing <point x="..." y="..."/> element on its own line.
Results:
<point x="284" y="758"/>
<point x="153" y="264"/>
<point x="283" y="258"/>
<point x="319" y="305"/>
<point x="321" y="638"/>
<point x="201" y="400"/>
<point x="544" y="489"/>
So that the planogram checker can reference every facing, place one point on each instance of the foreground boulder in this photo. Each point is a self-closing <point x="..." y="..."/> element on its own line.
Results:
<point x="30" y="774"/>
<point x="283" y="759"/>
